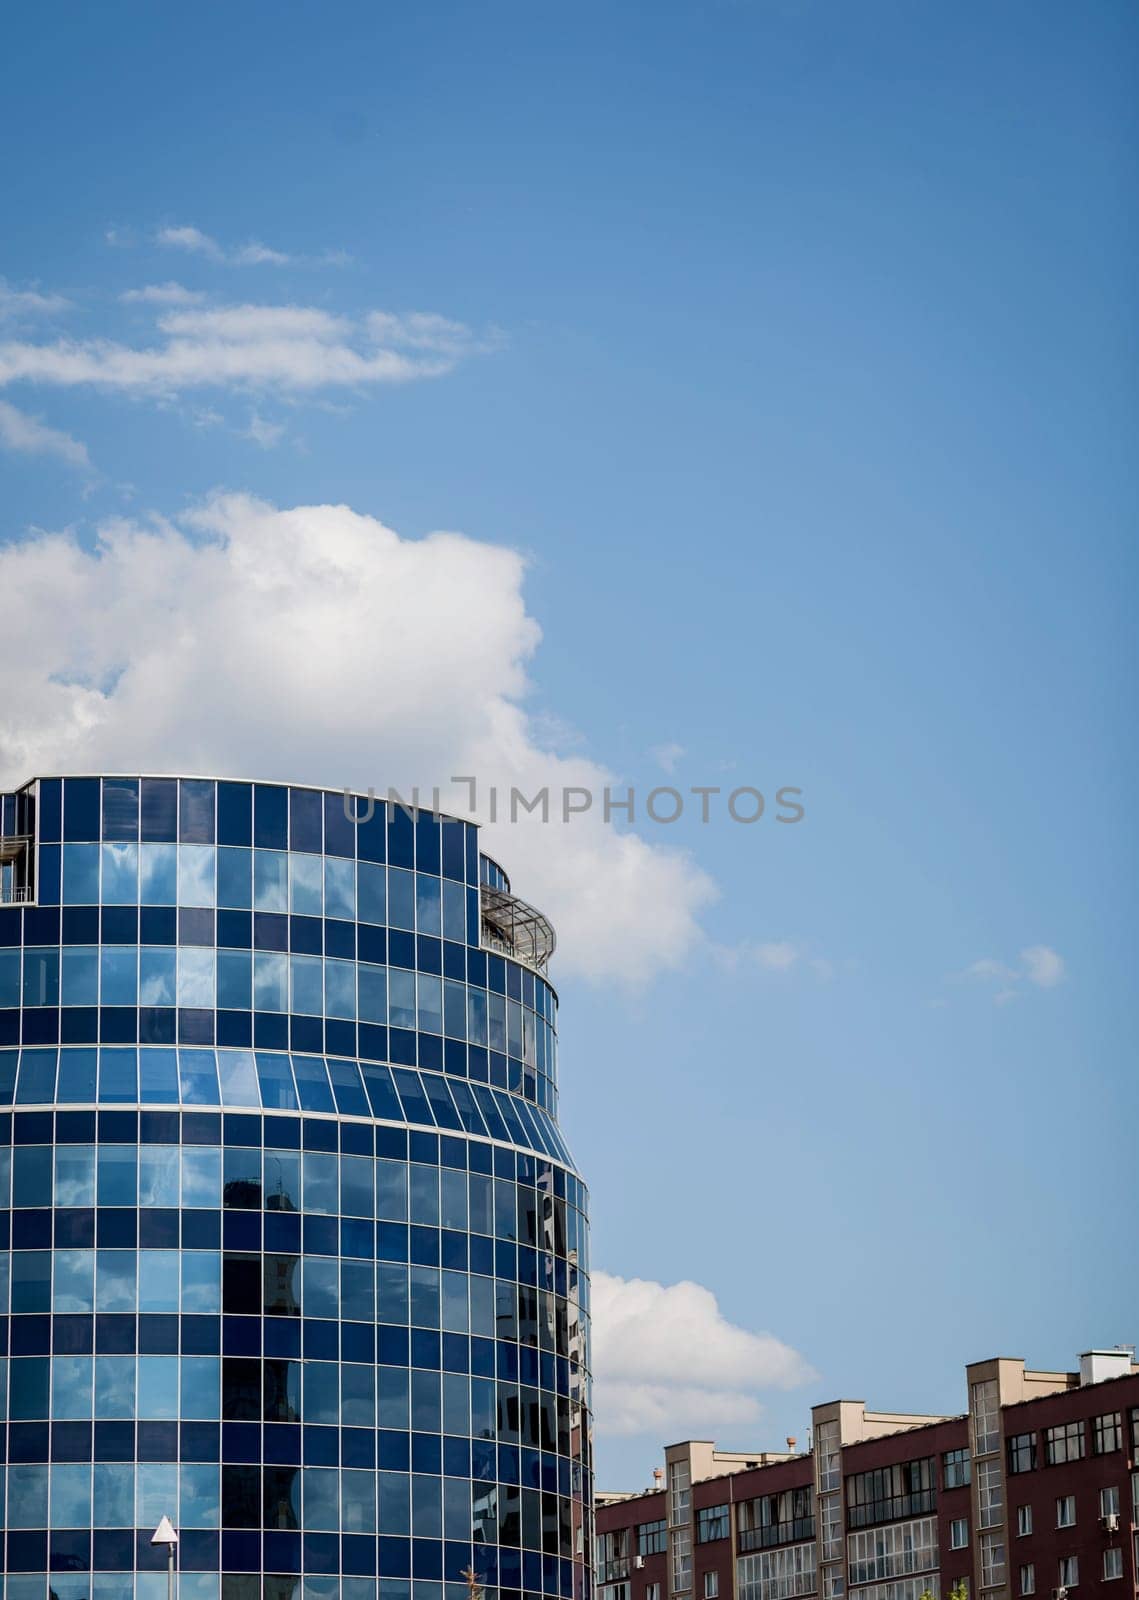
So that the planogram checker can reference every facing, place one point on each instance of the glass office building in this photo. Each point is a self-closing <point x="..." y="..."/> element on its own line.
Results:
<point x="291" y="1248"/>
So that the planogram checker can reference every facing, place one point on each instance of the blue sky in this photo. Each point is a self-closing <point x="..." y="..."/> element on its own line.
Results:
<point x="793" y="346"/>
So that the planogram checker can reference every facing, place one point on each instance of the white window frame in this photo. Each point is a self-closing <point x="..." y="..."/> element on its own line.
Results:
<point x="1023" y="1521"/>
<point x="1066" y="1511"/>
<point x="959" y="1533"/>
<point x="1028" y="1578"/>
<point x="1113" y="1557"/>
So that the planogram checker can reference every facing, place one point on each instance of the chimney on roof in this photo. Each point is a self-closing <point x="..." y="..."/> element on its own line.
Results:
<point x="791" y="1441"/>
<point x="1097" y="1365"/>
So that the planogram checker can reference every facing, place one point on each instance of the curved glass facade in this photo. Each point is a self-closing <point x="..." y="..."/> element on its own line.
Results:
<point x="291" y="1248"/>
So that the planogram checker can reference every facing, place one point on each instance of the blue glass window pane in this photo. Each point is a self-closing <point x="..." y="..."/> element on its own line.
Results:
<point x="238" y="1078"/>
<point x="270" y="816"/>
<point x="270" y="981"/>
<point x="158" y="1386"/>
<point x="454" y="1009"/>
<point x="201" y="1279"/>
<point x="159" y="1072"/>
<point x="235" y="813"/>
<point x="401" y="998"/>
<point x="27" y="1497"/>
<point x="160" y="808"/>
<point x="321" y="1393"/>
<point x="71" y="1495"/>
<point x="75" y="1173"/>
<point x="118" y="1076"/>
<point x="201" y="1182"/>
<point x="72" y="1383"/>
<point x="476" y="1016"/>
<point x="119" y="971"/>
<point x="120" y="808"/>
<point x="36" y="1083"/>
<point x="196" y="811"/>
<point x="307" y="978"/>
<point x="276" y="1080"/>
<point x="270" y="880"/>
<point x="9" y="978"/>
<point x="427" y="904"/>
<point x="198" y="1073"/>
<point x="196" y="875"/>
<point x="116" y="1287"/>
<point x="518" y="1134"/>
<point x="235" y="878"/>
<point x="414" y="1100"/>
<point x="120" y="874"/>
<point x="81" y="808"/>
<point x="401" y="898"/>
<point x="80" y="874"/>
<point x="305" y="885"/>
<point x="339" y="887"/>
<point x="201" y="1400"/>
<point x="157" y="1486"/>
<point x="372" y="983"/>
<point x="454" y="911"/>
<point x="535" y="1129"/>
<point x="157" y="975"/>
<point x="340" y="988"/>
<point x="321" y="1186"/>
<point x="445" y="1113"/>
<point x="196" y="978"/>
<point x="118" y="1174"/>
<point x="351" y="1100"/>
<point x="41" y="976"/>
<point x="77" y="1077"/>
<point x="235" y="980"/>
<point x="158" y="1287"/>
<point x="466" y="1107"/>
<point x="430" y="1011"/>
<point x="8" y="1061"/>
<point x="381" y="1092"/>
<point x="493" y="1117"/>
<point x="158" y="874"/>
<point x="312" y="1083"/>
<point x="159" y="1166"/>
<point x="114" y="1494"/>
<point x="372" y="893"/>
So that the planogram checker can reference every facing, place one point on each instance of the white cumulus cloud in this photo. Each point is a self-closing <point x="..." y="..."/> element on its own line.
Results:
<point x="667" y="1361"/>
<point x="29" y="436"/>
<point x="315" y="644"/>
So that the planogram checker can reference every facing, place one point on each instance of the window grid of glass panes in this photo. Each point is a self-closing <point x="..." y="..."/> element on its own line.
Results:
<point x="301" y="1260"/>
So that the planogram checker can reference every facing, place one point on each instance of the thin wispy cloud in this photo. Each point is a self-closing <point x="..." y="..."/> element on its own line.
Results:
<point x="267" y="434"/>
<point x="15" y="303"/>
<point x="666" y="756"/>
<point x="1039" y="967"/>
<point x="163" y="294"/>
<point x="288" y="348"/>
<point x="253" y="253"/>
<point x="28" y="436"/>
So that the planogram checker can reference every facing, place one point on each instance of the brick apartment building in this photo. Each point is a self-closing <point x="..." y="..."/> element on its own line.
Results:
<point x="1034" y="1491"/>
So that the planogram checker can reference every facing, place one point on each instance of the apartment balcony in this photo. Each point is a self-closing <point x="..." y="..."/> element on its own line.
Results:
<point x="15" y="870"/>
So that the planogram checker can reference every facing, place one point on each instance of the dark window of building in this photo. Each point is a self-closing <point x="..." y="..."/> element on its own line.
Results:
<point x="1107" y="1433"/>
<point x="1064" y="1443"/>
<point x="651" y="1537"/>
<point x="1022" y="1452"/>
<point x="775" y="1519"/>
<point x="1135" y="1430"/>
<point x="711" y="1523"/>
<point x="956" y="1472"/>
<point x="904" y="1490"/>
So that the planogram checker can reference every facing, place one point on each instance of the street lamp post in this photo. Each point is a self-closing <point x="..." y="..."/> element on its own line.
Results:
<point x="165" y="1534"/>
